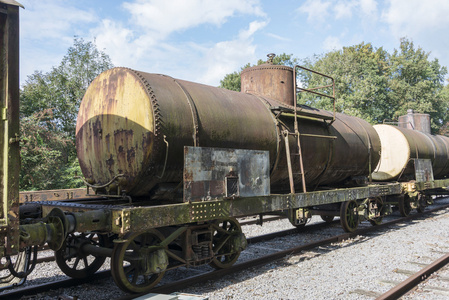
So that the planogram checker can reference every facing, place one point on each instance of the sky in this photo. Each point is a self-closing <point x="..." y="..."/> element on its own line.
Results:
<point x="203" y="40"/>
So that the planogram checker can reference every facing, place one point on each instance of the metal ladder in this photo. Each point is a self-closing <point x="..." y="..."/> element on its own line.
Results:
<point x="289" y="160"/>
<point x="297" y="134"/>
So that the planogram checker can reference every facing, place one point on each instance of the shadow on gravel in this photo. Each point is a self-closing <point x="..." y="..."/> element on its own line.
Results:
<point x="295" y="240"/>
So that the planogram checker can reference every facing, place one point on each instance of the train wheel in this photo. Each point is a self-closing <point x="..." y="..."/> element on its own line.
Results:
<point x="349" y="217"/>
<point x="139" y="263"/>
<point x="327" y="219"/>
<point x="228" y="242"/>
<point x="302" y="225"/>
<point x="71" y="258"/>
<point x="422" y="203"/>
<point x="375" y="207"/>
<point x="404" y="205"/>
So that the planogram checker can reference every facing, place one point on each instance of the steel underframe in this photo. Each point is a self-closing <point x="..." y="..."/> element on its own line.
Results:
<point x="141" y="218"/>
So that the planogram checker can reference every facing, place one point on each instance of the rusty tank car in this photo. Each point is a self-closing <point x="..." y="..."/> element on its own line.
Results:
<point x="401" y="146"/>
<point x="174" y="163"/>
<point x="132" y="126"/>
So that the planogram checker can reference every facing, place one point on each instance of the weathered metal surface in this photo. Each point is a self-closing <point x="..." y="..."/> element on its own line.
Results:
<point x="144" y="218"/>
<point x="423" y="186"/>
<point x="11" y="2"/>
<point x="351" y="149"/>
<point x="35" y="234"/>
<point x="95" y="220"/>
<point x="208" y="173"/>
<point x="137" y="124"/>
<point x="271" y="81"/>
<point x="401" y="145"/>
<point x="415" y="121"/>
<point x="121" y="220"/>
<point x="9" y="126"/>
<point x="423" y="170"/>
<point x="69" y="207"/>
<point x="55" y="226"/>
<point x="52" y="195"/>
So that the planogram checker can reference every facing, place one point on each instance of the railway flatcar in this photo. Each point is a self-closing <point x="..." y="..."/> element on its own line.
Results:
<point x="170" y="164"/>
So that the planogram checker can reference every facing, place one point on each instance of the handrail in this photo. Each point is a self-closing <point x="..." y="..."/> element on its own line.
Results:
<point x="312" y="90"/>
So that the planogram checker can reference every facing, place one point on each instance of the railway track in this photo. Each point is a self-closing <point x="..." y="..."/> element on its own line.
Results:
<point x="415" y="279"/>
<point x="180" y="284"/>
<point x="246" y="221"/>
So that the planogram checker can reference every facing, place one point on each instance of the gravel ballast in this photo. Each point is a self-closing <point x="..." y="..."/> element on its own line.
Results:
<point x="359" y="268"/>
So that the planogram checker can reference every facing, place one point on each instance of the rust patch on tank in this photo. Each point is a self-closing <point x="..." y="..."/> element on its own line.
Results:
<point x="131" y="156"/>
<point x="126" y="154"/>
<point x="110" y="162"/>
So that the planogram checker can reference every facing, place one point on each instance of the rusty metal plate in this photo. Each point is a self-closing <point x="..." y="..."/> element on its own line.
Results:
<point x="53" y="195"/>
<point x="423" y="170"/>
<point x="214" y="173"/>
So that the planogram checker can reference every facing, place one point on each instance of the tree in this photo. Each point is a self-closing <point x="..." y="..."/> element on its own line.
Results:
<point x="377" y="86"/>
<point x="232" y="81"/>
<point x="444" y="95"/>
<point x="63" y="87"/>
<point x="417" y="83"/>
<point x="361" y="77"/>
<point x="43" y="153"/>
<point x="49" y="107"/>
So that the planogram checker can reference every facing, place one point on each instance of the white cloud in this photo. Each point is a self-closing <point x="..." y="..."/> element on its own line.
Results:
<point x="50" y="19"/>
<point x="332" y="43"/>
<point x="320" y="11"/>
<point x="163" y="17"/>
<point x="369" y="8"/>
<point x="47" y="28"/>
<point x="415" y="17"/>
<point x="143" y="42"/>
<point x="317" y="10"/>
<point x="118" y="41"/>
<point x="343" y="9"/>
<point x="278" y="37"/>
<point x="227" y="56"/>
<point x="140" y="37"/>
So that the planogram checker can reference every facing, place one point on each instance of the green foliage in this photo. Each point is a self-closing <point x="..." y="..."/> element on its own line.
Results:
<point x="377" y="86"/>
<point x="49" y="107"/>
<point x="360" y="74"/>
<point x="444" y="96"/>
<point x="281" y="59"/>
<point x="43" y="152"/>
<point x="232" y="81"/>
<point x="417" y="83"/>
<point x="371" y="83"/>
<point x="62" y="88"/>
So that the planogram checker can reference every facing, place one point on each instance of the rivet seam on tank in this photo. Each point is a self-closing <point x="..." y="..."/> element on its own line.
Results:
<point x="158" y="136"/>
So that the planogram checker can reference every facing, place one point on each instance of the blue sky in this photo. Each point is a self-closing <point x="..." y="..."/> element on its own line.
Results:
<point x="203" y="40"/>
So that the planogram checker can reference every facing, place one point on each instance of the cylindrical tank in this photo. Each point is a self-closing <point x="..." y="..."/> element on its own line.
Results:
<point x="412" y="120"/>
<point x="136" y="124"/>
<point x="400" y="145"/>
<point x="269" y="80"/>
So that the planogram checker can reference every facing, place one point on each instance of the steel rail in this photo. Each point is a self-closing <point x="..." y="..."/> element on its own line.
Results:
<point x="45" y="287"/>
<point x="411" y="282"/>
<point x="70" y="282"/>
<point x="246" y="222"/>
<point x="187" y="282"/>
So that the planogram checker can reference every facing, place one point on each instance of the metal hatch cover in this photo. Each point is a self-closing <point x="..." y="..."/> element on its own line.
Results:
<point x="216" y="173"/>
<point x="423" y="170"/>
